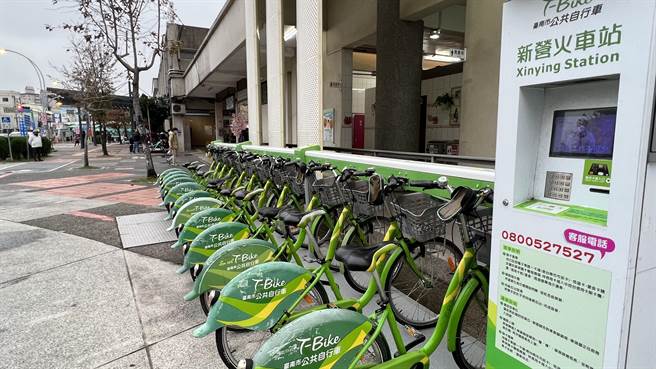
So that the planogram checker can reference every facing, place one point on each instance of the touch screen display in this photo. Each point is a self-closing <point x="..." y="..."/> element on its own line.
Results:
<point x="583" y="133"/>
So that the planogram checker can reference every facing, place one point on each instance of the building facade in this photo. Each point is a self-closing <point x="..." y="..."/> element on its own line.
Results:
<point x="402" y="75"/>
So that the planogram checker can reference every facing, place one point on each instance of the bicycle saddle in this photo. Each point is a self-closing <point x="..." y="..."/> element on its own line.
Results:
<point x="358" y="258"/>
<point x="241" y="194"/>
<point x="268" y="212"/>
<point x="217" y="182"/>
<point x="462" y="200"/>
<point x="225" y="192"/>
<point x="291" y="216"/>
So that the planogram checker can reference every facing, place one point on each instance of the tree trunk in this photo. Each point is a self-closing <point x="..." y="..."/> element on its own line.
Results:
<point x="125" y="131"/>
<point x="150" y="167"/>
<point x="93" y="136"/>
<point x="83" y="137"/>
<point x="103" y="138"/>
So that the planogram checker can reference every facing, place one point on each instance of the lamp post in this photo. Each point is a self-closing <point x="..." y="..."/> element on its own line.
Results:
<point x="42" y="80"/>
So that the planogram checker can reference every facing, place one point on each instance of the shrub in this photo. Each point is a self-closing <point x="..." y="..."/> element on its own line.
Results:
<point x="47" y="146"/>
<point x="19" y="147"/>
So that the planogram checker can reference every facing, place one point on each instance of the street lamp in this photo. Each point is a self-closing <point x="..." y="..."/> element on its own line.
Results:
<point x="42" y="80"/>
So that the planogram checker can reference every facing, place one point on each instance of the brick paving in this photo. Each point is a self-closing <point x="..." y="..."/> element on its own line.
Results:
<point x="94" y="190"/>
<point x="72" y="181"/>
<point x="145" y="197"/>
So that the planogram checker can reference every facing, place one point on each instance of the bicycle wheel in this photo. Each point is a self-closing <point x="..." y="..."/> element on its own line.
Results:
<point x="322" y="233"/>
<point x="374" y="229"/>
<point x="207" y="299"/>
<point x="236" y="344"/>
<point x="413" y="301"/>
<point x="471" y="332"/>
<point x="378" y="353"/>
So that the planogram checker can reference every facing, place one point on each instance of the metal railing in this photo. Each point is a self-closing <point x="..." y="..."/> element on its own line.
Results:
<point x="417" y="156"/>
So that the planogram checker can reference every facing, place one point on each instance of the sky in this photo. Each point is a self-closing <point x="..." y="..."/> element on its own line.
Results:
<point x="22" y="28"/>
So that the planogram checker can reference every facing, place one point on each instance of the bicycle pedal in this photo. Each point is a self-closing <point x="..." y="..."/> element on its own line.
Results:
<point x="418" y="338"/>
<point x="412" y="332"/>
<point x="308" y="259"/>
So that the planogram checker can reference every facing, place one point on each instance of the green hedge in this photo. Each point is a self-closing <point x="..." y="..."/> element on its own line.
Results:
<point x="19" y="147"/>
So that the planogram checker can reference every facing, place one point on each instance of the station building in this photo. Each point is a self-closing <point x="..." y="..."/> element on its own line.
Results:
<point x="399" y="75"/>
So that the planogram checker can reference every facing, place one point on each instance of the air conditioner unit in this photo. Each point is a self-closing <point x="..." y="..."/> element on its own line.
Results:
<point x="178" y="109"/>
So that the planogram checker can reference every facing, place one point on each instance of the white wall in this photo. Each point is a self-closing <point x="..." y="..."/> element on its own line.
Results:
<point x="480" y="90"/>
<point x="432" y="88"/>
<point x="369" y="118"/>
<point x="360" y="84"/>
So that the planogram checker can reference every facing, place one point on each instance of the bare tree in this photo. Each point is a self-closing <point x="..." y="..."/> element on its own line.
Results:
<point x="91" y="76"/>
<point x="132" y="30"/>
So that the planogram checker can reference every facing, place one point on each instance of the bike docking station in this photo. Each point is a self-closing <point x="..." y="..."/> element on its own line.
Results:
<point x="573" y="269"/>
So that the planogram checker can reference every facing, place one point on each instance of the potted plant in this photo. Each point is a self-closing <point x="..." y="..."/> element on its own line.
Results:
<point x="444" y="101"/>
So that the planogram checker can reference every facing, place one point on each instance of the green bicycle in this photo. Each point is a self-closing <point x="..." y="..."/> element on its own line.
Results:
<point x="263" y="316"/>
<point x="340" y="338"/>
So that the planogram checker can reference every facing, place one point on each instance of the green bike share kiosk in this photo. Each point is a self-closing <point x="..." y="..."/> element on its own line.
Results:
<point x="573" y="260"/>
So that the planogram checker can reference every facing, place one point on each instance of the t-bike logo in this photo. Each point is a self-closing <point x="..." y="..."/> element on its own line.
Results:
<point x="220" y="238"/>
<point x="563" y="5"/>
<point x="242" y="258"/>
<point x="269" y="283"/>
<point x="317" y="343"/>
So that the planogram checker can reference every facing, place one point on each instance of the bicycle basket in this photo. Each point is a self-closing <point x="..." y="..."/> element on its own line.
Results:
<point x="278" y="177"/>
<point x="295" y="179"/>
<point x="329" y="191"/>
<point x="249" y="167"/>
<point x="417" y="214"/>
<point x="263" y="172"/>
<point x="359" y="190"/>
<point x="479" y="223"/>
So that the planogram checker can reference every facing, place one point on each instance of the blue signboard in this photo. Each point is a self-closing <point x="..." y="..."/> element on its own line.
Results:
<point x="27" y="118"/>
<point x="6" y="120"/>
<point x="22" y="128"/>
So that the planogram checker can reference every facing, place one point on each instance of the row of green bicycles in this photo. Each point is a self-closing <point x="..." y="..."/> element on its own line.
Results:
<point x="267" y="240"/>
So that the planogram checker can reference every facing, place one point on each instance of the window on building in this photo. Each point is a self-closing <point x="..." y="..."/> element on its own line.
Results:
<point x="5" y="99"/>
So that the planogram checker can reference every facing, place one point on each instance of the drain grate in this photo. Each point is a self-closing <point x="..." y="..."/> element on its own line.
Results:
<point x="144" y="229"/>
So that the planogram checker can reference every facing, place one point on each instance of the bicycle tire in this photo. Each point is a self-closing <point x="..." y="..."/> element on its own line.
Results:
<point x="323" y="231"/>
<point x="224" y="342"/>
<point x="322" y="234"/>
<point x="439" y="263"/>
<point x="206" y="302"/>
<point x="475" y="319"/>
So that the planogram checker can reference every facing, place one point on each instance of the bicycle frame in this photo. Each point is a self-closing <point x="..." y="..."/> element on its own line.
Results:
<point x="469" y="274"/>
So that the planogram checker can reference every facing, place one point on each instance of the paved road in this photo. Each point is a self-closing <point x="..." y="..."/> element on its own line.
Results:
<point x="70" y="295"/>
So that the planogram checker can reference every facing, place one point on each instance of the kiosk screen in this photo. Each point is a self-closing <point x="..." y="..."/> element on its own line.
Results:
<point x="583" y="133"/>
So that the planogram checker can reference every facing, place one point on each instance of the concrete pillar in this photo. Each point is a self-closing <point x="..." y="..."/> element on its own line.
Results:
<point x="398" y="82"/>
<point x="275" y="73"/>
<point x="480" y="78"/>
<point x="184" y="136"/>
<point x="253" y="73"/>
<point x="309" y="46"/>
<point x="218" y="120"/>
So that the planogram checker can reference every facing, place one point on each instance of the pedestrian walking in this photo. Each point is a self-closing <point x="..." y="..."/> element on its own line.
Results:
<point x="173" y="145"/>
<point x="36" y="144"/>
<point x="77" y="141"/>
<point x="137" y="142"/>
<point x="131" y="141"/>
